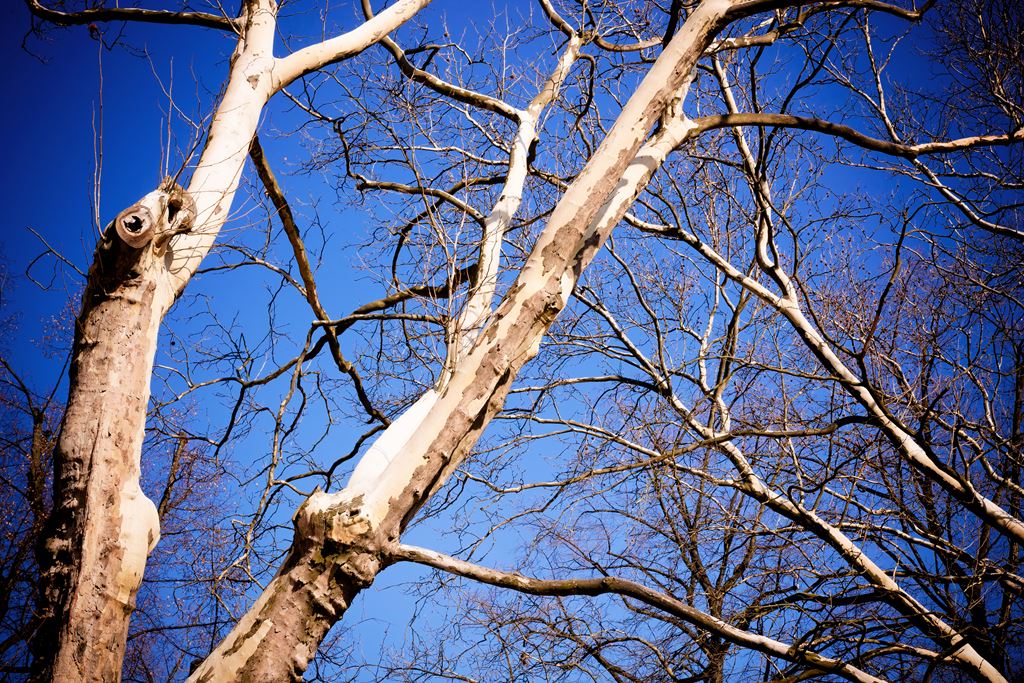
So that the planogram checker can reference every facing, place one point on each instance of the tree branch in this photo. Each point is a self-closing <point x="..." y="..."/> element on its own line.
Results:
<point x="284" y="213"/>
<point x="137" y="14"/>
<point x="313" y="57"/>
<point x="630" y="589"/>
<point x="440" y="86"/>
<point x="762" y="120"/>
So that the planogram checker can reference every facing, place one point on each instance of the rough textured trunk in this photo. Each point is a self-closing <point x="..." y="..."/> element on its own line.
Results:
<point x="374" y="514"/>
<point x="102" y="527"/>
<point x="93" y="552"/>
<point x="335" y="555"/>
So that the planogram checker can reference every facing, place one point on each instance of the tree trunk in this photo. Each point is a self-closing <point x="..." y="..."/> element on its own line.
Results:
<point x="102" y="526"/>
<point x="93" y="552"/>
<point x="335" y="555"/>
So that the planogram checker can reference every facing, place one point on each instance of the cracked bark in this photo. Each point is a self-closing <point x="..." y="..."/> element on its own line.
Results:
<point x="93" y="550"/>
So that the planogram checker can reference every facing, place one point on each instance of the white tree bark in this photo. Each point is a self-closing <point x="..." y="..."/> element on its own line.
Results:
<point x="340" y="538"/>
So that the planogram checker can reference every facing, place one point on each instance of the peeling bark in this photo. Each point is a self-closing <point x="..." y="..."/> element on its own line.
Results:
<point x="93" y="552"/>
<point x="478" y="385"/>
<point x="336" y="554"/>
<point x="102" y="527"/>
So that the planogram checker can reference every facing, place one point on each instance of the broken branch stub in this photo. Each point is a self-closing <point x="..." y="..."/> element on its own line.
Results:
<point x="167" y="211"/>
<point x="135" y="225"/>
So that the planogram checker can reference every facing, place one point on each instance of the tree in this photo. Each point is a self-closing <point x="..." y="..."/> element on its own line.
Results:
<point x="828" y="372"/>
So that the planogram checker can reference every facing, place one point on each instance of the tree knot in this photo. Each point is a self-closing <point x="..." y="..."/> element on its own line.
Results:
<point x="157" y="217"/>
<point x="336" y="529"/>
<point x="337" y="525"/>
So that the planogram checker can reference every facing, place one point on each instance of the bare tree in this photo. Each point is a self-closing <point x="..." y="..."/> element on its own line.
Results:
<point x="788" y="404"/>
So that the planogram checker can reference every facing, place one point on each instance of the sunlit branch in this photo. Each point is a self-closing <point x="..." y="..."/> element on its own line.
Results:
<point x="630" y="589"/>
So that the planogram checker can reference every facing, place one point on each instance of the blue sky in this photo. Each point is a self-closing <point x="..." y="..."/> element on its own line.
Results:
<point x="54" y="102"/>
